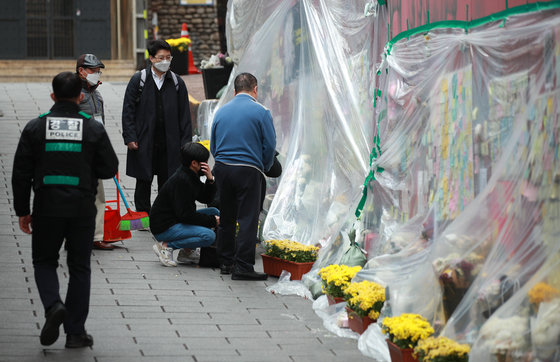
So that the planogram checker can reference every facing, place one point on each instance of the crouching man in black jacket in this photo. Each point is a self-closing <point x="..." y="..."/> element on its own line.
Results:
<point x="60" y="155"/>
<point x="174" y="219"/>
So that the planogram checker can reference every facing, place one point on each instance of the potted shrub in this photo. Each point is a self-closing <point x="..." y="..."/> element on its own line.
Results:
<point x="441" y="349"/>
<point x="288" y="255"/>
<point x="404" y="332"/>
<point x="335" y="278"/>
<point x="364" y="301"/>
<point x="180" y="54"/>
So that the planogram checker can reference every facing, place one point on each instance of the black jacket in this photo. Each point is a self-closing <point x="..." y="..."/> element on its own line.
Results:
<point x="175" y="202"/>
<point x="97" y="161"/>
<point x="139" y="120"/>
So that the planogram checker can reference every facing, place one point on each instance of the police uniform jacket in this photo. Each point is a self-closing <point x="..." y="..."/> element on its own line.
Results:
<point x="60" y="155"/>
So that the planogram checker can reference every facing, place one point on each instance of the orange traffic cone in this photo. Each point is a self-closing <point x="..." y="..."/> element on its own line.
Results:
<point x="185" y="34"/>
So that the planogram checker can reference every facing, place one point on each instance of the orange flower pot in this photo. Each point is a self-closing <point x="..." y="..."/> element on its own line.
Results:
<point x="399" y="354"/>
<point x="274" y="266"/>
<point x="356" y="323"/>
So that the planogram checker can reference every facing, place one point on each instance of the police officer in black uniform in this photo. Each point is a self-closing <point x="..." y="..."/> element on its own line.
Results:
<point x="60" y="156"/>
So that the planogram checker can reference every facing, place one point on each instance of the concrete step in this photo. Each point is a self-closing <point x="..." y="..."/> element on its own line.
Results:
<point x="44" y="70"/>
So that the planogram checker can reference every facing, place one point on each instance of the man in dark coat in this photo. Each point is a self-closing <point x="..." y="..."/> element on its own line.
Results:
<point x="156" y="122"/>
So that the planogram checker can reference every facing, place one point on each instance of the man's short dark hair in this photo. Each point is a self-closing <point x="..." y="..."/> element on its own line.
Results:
<point x="244" y="82"/>
<point x="66" y="85"/>
<point x="192" y="151"/>
<point x="156" y="45"/>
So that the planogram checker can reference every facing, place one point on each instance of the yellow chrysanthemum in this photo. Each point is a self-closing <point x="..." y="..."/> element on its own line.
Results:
<point x="336" y="278"/>
<point x="407" y="329"/>
<point x="431" y="349"/>
<point x="291" y="250"/>
<point x="542" y="292"/>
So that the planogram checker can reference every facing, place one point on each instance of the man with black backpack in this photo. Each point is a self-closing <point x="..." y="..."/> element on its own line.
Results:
<point x="156" y="121"/>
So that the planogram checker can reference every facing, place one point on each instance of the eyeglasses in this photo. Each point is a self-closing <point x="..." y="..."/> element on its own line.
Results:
<point x="159" y="59"/>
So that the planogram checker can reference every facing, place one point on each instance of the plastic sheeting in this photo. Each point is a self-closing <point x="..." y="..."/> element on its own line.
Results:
<point x="315" y="62"/>
<point x="466" y="206"/>
<point x="461" y="216"/>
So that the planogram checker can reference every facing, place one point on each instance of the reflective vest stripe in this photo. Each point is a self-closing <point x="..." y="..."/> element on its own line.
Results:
<point x="63" y="147"/>
<point x="61" y="180"/>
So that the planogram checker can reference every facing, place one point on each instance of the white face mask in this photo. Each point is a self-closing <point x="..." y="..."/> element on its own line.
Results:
<point x="93" y="78"/>
<point x="162" y="66"/>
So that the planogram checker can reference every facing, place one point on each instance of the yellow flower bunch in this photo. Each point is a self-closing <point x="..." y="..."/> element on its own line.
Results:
<point x="365" y="298"/>
<point x="407" y="329"/>
<point x="291" y="251"/>
<point x="205" y="143"/>
<point x="336" y="278"/>
<point x="441" y="349"/>
<point x="180" y="44"/>
<point x="542" y="292"/>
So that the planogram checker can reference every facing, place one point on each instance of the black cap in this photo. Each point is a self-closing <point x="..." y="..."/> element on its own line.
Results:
<point x="88" y="61"/>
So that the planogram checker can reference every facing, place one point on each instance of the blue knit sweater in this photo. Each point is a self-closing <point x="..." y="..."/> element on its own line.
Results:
<point x="243" y="134"/>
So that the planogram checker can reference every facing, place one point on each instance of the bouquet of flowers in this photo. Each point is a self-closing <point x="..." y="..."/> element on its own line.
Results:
<point x="441" y="349"/>
<point x="291" y="251"/>
<point x="365" y="298"/>
<point x="336" y="278"/>
<point x="542" y="292"/>
<point x="407" y="329"/>
<point x="179" y="44"/>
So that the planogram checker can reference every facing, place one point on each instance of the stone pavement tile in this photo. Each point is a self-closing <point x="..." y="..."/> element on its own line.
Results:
<point x="207" y="344"/>
<point x="208" y="331"/>
<point x="228" y="318"/>
<point x="142" y="358"/>
<point x="259" y="356"/>
<point x="18" y="349"/>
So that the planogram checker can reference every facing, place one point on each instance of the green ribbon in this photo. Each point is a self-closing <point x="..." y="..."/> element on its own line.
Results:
<point x="375" y="153"/>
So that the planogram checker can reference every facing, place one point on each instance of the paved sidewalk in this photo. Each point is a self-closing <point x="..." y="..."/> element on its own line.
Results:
<point x="141" y="310"/>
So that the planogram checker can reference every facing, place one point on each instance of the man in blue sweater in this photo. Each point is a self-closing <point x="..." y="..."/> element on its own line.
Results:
<point x="243" y="143"/>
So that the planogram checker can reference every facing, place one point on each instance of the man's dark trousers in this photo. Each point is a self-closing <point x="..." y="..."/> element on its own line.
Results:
<point x="143" y="190"/>
<point x="48" y="234"/>
<point x="240" y="200"/>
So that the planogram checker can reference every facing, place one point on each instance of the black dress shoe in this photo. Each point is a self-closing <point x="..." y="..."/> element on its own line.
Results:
<point x="101" y="245"/>
<point x="253" y="275"/>
<point x="54" y="318"/>
<point x="78" y="340"/>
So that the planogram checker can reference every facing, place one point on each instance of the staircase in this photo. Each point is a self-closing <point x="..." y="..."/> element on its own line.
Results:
<point x="44" y="70"/>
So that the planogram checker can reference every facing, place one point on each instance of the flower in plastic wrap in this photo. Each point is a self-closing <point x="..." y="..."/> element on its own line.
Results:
<point x="407" y="329"/>
<point x="542" y="292"/>
<point x="366" y="298"/>
<point x="546" y="329"/>
<point x="441" y="349"/>
<point x="336" y="278"/>
<point x="501" y="335"/>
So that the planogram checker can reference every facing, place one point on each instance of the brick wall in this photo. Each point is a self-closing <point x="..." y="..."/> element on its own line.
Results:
<point x="201" y="22"/>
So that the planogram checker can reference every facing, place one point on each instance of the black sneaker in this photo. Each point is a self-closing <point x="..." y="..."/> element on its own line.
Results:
<point x="53" y="319"/>
<point x="253" y="275"/>
<point x="78" y="340"/>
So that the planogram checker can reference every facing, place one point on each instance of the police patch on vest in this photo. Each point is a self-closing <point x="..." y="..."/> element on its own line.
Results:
<point x="59" y="128"/>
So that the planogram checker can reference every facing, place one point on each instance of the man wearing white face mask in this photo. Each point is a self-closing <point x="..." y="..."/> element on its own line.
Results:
<point x="156" y="122"/>
<point x="88" y="68"/>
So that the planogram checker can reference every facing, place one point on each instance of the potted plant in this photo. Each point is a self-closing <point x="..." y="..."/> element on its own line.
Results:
<point x="288" y="255"/>
<point x="404" y="332"/>
<point x="441" y="349"/>
<point x="364" y="301"/>
<point x="335" y="278"/>
<point x="215" y="74"/>
<point x="180" y="54"/>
